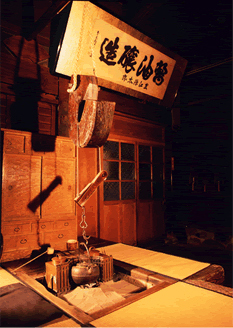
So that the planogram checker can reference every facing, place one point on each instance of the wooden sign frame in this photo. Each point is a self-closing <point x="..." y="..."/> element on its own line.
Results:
<point x="123" y="59"/>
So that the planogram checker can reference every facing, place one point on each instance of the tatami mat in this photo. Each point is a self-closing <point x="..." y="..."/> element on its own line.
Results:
<point x="178" y="305"/>
<point x="169" y="265"/>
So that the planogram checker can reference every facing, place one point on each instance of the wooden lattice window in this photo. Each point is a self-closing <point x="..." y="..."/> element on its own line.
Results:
<point x="119" y="162"/>
<point x="150" y="172"/>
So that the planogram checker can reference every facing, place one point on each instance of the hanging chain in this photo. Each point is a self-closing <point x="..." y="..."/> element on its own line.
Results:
<point x="83" y="225"/>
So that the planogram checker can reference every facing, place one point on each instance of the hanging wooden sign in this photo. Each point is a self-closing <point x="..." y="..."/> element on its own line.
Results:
<point x="122" y="58"/>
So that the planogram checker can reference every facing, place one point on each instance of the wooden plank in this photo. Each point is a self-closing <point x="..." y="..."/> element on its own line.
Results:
<point x="72" y="311"/>
<point x="211" y="286"/>
<point x="214" y="273"/>
<point x="45" y="97"/>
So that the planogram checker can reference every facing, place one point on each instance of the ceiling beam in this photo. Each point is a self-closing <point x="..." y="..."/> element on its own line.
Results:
<point x="40" y="24"/>
<point x="204" y="68"/>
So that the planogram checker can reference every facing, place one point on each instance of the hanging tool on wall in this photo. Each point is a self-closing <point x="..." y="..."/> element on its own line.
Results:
<point x="90" y="120"/>
<point x="84" y="195"/>
<point x="49" y="251"/>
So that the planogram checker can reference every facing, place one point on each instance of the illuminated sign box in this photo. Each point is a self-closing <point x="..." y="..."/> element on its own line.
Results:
<point x="122" y="58"/>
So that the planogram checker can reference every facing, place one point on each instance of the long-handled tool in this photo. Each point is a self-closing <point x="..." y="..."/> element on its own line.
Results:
<point x="49" y="251"/>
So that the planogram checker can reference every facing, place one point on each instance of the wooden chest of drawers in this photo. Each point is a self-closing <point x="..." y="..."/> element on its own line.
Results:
<point x="38" y="191"/>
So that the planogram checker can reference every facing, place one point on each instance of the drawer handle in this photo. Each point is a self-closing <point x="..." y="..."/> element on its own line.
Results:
<point x="23" y="241"/>
<point x="43" y="226"/>
<point x="66" y="224"/>
<point x="16" y="229"/>
<point x="60" y="235"/>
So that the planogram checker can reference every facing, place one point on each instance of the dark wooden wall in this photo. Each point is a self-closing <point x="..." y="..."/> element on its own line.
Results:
<point x="202" y="149"/>
<point x="42" y="169"/>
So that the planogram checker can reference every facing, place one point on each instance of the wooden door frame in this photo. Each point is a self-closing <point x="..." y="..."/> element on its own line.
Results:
<point x="114" y="136"/>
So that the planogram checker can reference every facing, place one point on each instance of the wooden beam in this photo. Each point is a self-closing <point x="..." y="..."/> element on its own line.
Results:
<point x="204" y="68"/>
<point x="40" y="24"/>
<point x="73" y="312"/>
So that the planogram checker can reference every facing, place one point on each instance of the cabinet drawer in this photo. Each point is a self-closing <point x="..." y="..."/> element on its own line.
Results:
<point x="16" y="228"/>
<point x="20" y="242"/>
<point x="65" y="148"/>
<point x="14" y="143"/>
<point x="65" y="224"/>
<point x="58" y="239"/>
<point x="42" y="226"/>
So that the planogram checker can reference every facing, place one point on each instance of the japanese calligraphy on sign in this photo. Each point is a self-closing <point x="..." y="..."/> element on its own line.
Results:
<point x="112" y="54"/>
<point x="123" y="59"/>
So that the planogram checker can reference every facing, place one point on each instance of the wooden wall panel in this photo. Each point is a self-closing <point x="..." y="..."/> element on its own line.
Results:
<point x="16" y="191"/>
<point x="128" y="224"/>
<point x="22" y="48"/>
<point x="3" y="110"/>
<point x="140" y="130"/>
<point x="46" y="118"/>
<point x="29" y="91"/>
<point x="110" y="223"/>
<point x="150" y="221"/>
<point x="14" y="69"/>
<point x="144" y="221"/>
<point x="158" y="218"/>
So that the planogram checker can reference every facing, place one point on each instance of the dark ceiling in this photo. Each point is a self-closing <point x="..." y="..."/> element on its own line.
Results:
<point x="199" y="31"/>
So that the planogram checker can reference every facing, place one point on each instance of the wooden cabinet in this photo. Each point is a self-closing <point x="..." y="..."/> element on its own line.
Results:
<point x="38" y="191"/>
